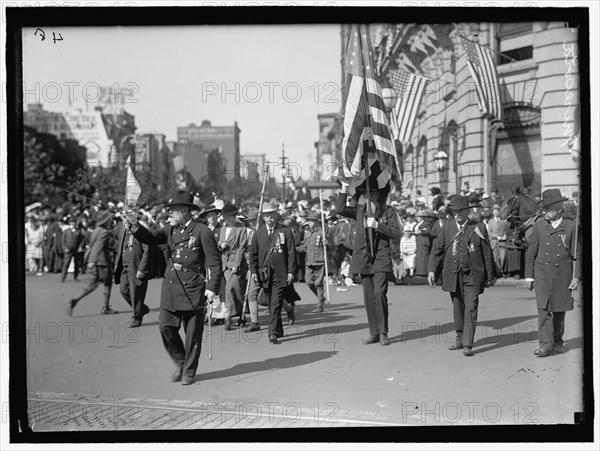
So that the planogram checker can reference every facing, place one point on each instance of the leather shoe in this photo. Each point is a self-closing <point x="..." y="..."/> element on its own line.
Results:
<point x="145" y="309"/>
<point x="384" y="340"/>
<point x="273" y="339"/>
<point x="542" y="353"/>
<point x="456" y="345"/>
<point x="372" y="339"/>
<point x="228" y="324"/>
<point x="253" y="327"/>
<point x="559" y="349"/>
<point x="187" y="380"/>
<point x="135" y="323"/>
<point x="176" y="376"/>
<point x="468" y="351"/>
<point x="108" y="311"/>
<point x="240" y="322"/>
<point x="318" y="309"/>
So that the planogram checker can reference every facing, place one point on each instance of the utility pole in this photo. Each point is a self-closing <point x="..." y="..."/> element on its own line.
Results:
<point x="318" y="164"/>
<point x="283" y="170"/>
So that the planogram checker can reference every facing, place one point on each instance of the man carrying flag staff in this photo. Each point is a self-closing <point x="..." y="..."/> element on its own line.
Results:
<point x="369" y="157"/>
<point x="192" y="278"/>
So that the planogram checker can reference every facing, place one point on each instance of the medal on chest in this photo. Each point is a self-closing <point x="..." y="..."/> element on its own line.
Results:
<point x="130" y="242"/>
<point x="192" y="242"/>
<point x="178" y="253"/>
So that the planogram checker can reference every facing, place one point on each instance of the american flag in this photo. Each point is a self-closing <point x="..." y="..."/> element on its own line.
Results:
<point x="132" y="187"/>
<point x="410" y="88"/>
<point x="483" y="69"/>
<point x="363" y="96"/>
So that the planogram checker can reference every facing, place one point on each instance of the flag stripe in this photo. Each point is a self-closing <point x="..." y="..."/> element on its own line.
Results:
<point x="410" y="89"/>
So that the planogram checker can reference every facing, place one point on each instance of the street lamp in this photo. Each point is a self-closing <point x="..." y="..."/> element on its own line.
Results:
<point x="390" y="97"/>
<point x="441" y="160"/>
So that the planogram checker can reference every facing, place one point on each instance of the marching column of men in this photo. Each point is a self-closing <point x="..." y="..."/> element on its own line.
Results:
<point x="201" y="259"/>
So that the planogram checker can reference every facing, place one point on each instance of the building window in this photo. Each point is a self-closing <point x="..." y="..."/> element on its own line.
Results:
<point x="515" y="40"/>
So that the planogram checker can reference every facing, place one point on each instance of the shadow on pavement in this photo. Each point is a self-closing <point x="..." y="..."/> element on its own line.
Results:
<point x="277" y="363"/>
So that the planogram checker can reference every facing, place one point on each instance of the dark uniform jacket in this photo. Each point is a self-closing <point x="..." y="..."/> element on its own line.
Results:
<point x="53" y="236"/>
<point x="194" y="264"/>
<point x="473" y="256"/>
<point x="388" y="229"/>
<point x="283" y="257"/>
<point x="548" y="260"/>
<point x="132" y="253"/>
<point x="100" y="248"/>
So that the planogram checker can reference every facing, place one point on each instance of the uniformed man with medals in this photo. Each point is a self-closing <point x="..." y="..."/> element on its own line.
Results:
<point x="192" y="278"/>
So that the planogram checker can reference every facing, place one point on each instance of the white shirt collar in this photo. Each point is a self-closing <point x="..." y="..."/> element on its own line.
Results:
<point x="556" y="223"/>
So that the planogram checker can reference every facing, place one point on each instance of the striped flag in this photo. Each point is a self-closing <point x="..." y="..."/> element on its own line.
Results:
<point x="363" y="97"/>
<point x="132" y="186"/>
<point x="483" y="70"/>
<point x="409" y="88"/>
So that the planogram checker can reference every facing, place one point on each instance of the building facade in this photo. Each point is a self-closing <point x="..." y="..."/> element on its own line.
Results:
<point x="539" y="89"/>
<point x="211" y="152"/>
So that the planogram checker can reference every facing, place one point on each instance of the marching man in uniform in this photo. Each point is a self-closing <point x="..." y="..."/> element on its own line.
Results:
<point x="464" y="257"/>
<point x="549" y="267"/>
<point x="192" y="278"/>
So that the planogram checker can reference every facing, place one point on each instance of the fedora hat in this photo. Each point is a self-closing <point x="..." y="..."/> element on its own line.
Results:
<point x="104" y="217"/>
<point x="270" y="208"/>
<point x="230" y="210"/>
<point x="460" y="203"/>
<point x="183" y="198"/>
<point x="496" y="207"/>
<point x="551" y="196"/>
<point x="435" y="190"/>
<point x="314" y="216"/>
<point x="209" y="209"/>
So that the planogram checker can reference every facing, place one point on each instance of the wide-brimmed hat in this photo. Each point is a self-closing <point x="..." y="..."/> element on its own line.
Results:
<point x="210" y="209"/>
<point x="551" y="196"/>
<point x="183" y="198"/>
<point x="496" y="207"/>
<point x="460" y="203"/>
<point x="407" y="228"/>
<point x="230" y="210"/>
<point x="104" y="217"/>
<point x="421" y="214"/>
<point x="435" y="190"/>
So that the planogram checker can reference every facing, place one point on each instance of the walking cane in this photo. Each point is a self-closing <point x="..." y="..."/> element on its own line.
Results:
<point x="324" y="249"/>
<point x="210" y="331"/>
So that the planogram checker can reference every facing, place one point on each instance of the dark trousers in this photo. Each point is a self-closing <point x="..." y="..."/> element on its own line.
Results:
<point x="185" y="356"/>
<point x="375" y="297"/>
<point x="465" y="302"/>
<point x="53" y="260"/>
<point x="100" y="275"/>
<point x="133" y="291"/>
<point x="235" y="286"/>
<point x="68" y="256"/>
<point x="551" y="327"/>
<point x="274" y="296"/>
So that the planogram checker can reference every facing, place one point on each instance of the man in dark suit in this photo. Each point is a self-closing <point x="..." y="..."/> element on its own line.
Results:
<point x="100" y="263"/>
<point x="192" y="278"/>
<point x="549" y="265"/>
<point x="273" y="265"/>
<point x="70" y="242"/>
<point x="132" y="271"/>
<point x="52" y="243"/>
<point x="373" y="270"/>
<point x="464" y="257"/>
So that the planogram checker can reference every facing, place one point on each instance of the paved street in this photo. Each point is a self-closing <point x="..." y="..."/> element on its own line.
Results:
<point x="91" y="372"/>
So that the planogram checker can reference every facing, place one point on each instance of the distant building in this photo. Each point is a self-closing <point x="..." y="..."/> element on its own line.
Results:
<point x="211" y="152"/>
<point x="102" y="135"/>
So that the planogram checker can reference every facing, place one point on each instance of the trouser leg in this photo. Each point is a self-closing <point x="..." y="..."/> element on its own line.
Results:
<point x="368" y="298"/>
<point x="558" y="324"/>
<point x="545" y="329"/>
<point x="169" y="323"/>
<point x="380" y="286"/>
<point x="253" y="291"/>
<point x="274" y="295"/>
<point x="193" y="327"/>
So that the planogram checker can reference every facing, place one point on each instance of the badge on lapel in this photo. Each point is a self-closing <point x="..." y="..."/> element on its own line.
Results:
<point x="192" y="242"/>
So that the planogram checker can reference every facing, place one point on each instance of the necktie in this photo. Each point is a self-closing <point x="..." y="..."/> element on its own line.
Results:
<point x="270" y="233"/>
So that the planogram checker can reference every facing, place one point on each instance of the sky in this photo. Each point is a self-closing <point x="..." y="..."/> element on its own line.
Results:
<point x="272" y="79"/>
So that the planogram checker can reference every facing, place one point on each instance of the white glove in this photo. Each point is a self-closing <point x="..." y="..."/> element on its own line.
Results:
<point x="210" y="296"/>
<point x="372" y="223"/>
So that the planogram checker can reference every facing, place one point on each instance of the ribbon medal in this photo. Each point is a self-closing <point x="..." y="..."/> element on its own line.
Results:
<point x="192" y="242"/>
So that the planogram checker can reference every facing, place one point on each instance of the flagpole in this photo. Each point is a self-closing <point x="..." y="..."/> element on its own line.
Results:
<point x="366" y="151"/>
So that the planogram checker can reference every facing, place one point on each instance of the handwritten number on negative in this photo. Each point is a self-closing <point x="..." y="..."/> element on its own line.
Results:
<point x="42" y="35"/>
<point x="55" y="39"/>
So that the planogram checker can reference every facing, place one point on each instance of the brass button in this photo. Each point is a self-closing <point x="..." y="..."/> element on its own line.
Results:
<point x="170" y="281"/>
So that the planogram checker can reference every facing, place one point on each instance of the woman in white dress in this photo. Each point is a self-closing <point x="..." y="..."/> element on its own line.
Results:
<point x="34" y="238"/>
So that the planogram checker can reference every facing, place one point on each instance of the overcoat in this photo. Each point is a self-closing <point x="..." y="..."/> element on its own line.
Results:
<point x="194" y="264"/>
<point x="473" y="256"/>
<point x="388" y="229"/>
<point x="284" y="253"/>
<point x="548" y="260"/>
<point x="140" y="252"/>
